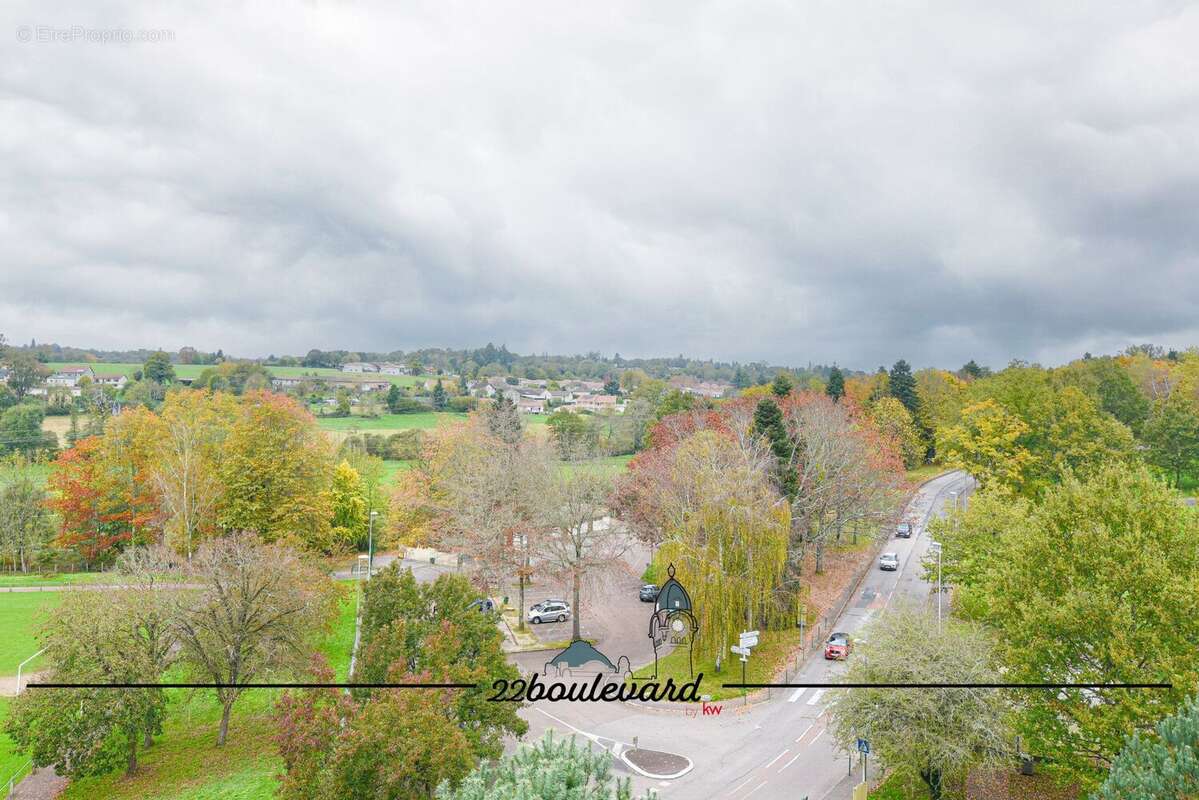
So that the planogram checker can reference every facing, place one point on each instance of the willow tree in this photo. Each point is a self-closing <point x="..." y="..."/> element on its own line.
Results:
<point x="726" y="532"/>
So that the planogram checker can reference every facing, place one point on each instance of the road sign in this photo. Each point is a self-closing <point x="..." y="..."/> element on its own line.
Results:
<point x="741" y="651"/>
<point x="749" y="638"/>
<point x="863" y="746"/>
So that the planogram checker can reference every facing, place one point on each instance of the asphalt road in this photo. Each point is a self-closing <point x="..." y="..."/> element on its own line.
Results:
<point x="776" y="749"/>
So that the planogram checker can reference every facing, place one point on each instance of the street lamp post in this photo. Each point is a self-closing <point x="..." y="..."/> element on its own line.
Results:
<point x="370" y="546"/>
<point x="937" y="546"/>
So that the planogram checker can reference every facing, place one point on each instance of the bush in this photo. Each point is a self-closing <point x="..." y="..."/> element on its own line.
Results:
<point x="463" y="404"/>
<point x="406" y="405"/>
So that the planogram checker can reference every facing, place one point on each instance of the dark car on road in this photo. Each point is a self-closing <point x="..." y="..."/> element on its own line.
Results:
<point x="648" y="593"/>
<point x="904" y="530"/>
<point x="838" y="646"/>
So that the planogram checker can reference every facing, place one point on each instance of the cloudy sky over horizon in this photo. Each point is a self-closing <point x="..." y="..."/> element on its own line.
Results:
<point x="738" y="180"/>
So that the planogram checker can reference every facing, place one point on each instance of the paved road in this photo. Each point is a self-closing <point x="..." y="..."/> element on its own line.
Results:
<point x="777" y="749"/>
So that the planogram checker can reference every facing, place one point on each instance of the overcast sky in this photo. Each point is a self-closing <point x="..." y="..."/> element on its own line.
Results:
<point x="799" y="181"/>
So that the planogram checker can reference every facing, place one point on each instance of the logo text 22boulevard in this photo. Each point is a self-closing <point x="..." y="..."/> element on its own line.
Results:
<point x="597" y="690"/>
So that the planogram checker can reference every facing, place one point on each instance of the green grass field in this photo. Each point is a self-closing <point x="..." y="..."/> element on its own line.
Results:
<point x="19" y="619"/>
<point x="10" y="759"/>
<point x="926" y="472"/>
<point x="8" y="579"/>
<point x="194" y="370"/>
<point x="388" y="423"/>
<point x="185" y="762"/>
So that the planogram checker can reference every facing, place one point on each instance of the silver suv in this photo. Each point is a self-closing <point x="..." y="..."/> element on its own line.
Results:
<point x="549" y="611"/>
<point x="889" y="561"/>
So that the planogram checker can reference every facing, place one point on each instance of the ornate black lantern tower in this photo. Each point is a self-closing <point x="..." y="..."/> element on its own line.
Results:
<point x="672" y="622"/>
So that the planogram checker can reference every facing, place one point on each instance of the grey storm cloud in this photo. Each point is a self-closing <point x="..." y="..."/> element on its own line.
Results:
<point x="742" y="180"/>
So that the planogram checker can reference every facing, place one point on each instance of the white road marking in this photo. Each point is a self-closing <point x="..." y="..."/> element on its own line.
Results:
<point x="795" y="696"/>
<point x="815" y="698"/>
<point x="776" y="758"/>
<point x="794" y="758"/>
<point x="805" y="730"/>
<point x="739" y="788"/>
<point x="756" y="788"/>
<point x="817" y="737"/>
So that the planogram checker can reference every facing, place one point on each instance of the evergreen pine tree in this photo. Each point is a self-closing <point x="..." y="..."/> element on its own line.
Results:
<point x="781" y="386"/>
<point x="439" y="397"/>
<point x="1164" y="765"/>
<point x="768" y="422"/>
<point x="741" y="379"/>
<point x="836" y="384"/>
<point x="903" y="387"/>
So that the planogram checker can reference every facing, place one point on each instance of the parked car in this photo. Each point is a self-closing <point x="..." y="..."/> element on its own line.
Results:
<point x="838" y="646"/>
<point x="549" y="611"/>
<point x="648" y="593"/>
<point x="904" y="530"/>
<point x="888" y="562"/>
<point x="550" y="601"/>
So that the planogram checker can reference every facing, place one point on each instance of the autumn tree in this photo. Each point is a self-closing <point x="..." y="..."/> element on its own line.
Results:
<point x="987" y="444"/>
<point x="26" y="527"/>
<point x="725" y="532"/>
<point x="1172" y="436"/>
<point x="24" y="373"/>
<point x="935" y="733"/>
<point x="187" y="464"/>
<point x="256" y="612"/>
<point x="1098" y="585"/>
<point x="411" y="629"/>
<point x="349" y="510"/>
<point x="275" y="472"/>
<point x="89" y="638"/>
<point x="894" y="421"/>
<point x="399" y="743"/>
<point x="584" y="548"/>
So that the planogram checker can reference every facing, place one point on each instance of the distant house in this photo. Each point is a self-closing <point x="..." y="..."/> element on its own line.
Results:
<point x="543" y="395"/>
<point x="597" y="403"/>
<point x="361" y="384"/>
<point x="562" y="398"/>
<point x="288" y="381"/>
<point x="70" y="376"/>
<point x="700" y="388"/>
<point x="359" y="366"/>
<point x="530" y="406"/>
<point x="388" y="368"/>
<point x="116" y="380"/>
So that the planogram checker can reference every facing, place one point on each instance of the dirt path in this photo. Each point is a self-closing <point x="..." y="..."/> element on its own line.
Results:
<point x="43" y="784"/>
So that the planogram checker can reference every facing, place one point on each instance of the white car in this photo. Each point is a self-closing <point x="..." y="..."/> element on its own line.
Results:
<point x="889" y="561"/>
<point x="549" y="612"/>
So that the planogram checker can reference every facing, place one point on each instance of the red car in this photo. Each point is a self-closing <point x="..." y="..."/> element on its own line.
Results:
<point x="838" y="646"/>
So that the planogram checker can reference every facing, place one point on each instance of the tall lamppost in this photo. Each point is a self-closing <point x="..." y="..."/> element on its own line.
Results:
<point x="937" y="546"/>
<point x="370" y="546"/>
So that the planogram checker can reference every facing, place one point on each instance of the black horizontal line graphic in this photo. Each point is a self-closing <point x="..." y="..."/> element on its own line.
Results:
<point x="39" y="685"/>
<point x="947" y="685"/>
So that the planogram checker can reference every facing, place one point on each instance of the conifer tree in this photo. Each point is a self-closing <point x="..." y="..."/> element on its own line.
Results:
<point x="836" y="384"/>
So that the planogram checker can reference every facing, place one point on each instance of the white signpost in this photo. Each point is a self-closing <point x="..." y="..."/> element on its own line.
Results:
<point x="748" y="640"/>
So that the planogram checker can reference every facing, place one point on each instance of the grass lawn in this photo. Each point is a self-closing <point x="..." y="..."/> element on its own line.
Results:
<point x="186" y="764"/>
<point x="927" y="472"/>
<point x="49" y="579"/>
<point x="39" y="473"/>
<point x="194" y="370"/>
<point x="19" y="619"/>
<point x="390" y="468"/>
<point x="10" y="759"/>
<point x="388" y="423"/>
<point x="895" y="787"/>
<point x="766" y="661"/>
